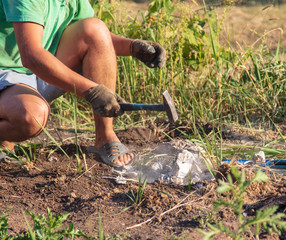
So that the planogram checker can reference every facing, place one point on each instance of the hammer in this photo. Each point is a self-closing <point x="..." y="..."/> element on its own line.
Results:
<point x="168" y="106"/>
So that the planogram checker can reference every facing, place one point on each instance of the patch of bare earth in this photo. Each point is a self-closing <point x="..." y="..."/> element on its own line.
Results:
<point x="166" y="212"/>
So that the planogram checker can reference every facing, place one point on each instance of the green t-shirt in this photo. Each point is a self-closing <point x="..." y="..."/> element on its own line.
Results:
<point x="53" y="15"/>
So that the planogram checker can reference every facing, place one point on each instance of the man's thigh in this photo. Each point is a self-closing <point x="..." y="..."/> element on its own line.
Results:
<point x="71" y="51"/>
<point x="75" y="42"/>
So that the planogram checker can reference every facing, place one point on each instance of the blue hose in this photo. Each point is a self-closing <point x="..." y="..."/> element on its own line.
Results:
<point x="268" y="163"/>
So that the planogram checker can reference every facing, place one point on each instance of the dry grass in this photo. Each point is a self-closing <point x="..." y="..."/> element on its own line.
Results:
<point x="243" y="26"/>
<point x="246" y="26"/>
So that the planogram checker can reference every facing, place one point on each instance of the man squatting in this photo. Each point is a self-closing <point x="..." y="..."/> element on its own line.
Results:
<point x="44" y="45"/>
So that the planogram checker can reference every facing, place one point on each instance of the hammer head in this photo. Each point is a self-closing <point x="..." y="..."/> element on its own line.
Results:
<point x="170" y="107"/>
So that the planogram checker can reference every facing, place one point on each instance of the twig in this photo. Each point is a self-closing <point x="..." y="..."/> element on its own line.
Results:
<point x="87" y="170"/>
<point x="173" y="208"/>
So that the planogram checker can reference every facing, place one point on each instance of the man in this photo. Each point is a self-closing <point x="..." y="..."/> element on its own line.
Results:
<point x="44" y="44"/>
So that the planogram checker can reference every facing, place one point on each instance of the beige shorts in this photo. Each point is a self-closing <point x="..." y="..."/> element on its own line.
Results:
<point x="10" y="78"/>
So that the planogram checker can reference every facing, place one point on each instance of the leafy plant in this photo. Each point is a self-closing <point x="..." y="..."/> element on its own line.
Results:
<point x="104" y="10"/>
<point x="236" y="187"/>
<point x="50" y="228"/>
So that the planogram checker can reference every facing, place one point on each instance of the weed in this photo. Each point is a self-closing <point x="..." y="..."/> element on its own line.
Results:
<point x="11" y="155"/>
<point x="266" y="219"/>
<point x="79" y="167"/>
<point x="100" y="228"/>
<point x="210" y="81"/>
<point x="50" y="228"/>
<point x="4" y="226"/>
<point x="205" y="219"/>
<point x="137" y="198"/>
<point x="28" y="151"/>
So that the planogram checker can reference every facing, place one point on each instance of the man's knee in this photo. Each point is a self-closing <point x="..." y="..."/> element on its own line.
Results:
<point x="32" y="119"/>
<point x="95" y="30"/>
<point x="23" y="112"/>
<point x="89" y="35"/>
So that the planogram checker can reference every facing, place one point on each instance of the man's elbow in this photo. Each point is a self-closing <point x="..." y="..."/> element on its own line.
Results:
<point x="31" y="57"/>
<point x="25" y="62"/>
<point x="28" y="62"/>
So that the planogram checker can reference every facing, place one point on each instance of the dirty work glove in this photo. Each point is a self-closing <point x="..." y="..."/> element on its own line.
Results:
<point x="150" y="53"/>
<point x="104" y="101"/>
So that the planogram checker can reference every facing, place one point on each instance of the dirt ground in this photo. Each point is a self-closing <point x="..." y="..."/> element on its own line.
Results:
<point x="167" y="211"/>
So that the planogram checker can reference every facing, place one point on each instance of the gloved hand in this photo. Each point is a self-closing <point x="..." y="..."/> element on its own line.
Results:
<point x="150" y="53"/>
<point x="104" y="101"/>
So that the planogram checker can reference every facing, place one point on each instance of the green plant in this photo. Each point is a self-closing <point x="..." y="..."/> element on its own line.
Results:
<point x="137" y="198"/>
<point x="210" y="80"/>
<point x="100" y="228"/>
<point x="208" y="218"/>
<point x="63" y="109"/>
<point x="79" y="167"/>
<point x="28" y="151"/>
<point x="11" y="155"/>
<point x="236" y="187"/>
<point x="4" y="226"/>
<point x="50" y="228"/>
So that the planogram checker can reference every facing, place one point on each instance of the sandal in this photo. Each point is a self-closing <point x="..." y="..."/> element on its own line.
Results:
<point x="110" y="151"/>
<point x="7" y="159"/>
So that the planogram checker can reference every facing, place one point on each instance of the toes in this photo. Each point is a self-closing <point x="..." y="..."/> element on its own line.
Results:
<point x="124" y="159"/>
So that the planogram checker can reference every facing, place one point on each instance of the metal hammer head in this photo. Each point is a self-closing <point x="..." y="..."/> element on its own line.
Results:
<point x="170" y="107"/>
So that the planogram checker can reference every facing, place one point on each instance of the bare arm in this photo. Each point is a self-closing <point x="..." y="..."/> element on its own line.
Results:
<point x="42" y="63"/>
<point x="121" y="45"/>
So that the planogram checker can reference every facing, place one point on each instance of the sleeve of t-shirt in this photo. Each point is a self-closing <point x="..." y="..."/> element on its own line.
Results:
<point x="84" y="10"/>
<point x="24" y="10"/>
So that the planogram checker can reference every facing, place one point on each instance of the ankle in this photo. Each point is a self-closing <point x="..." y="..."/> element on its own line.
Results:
<point x="105" y="137"/>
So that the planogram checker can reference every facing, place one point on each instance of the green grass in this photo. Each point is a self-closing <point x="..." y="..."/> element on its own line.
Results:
<point x="232" y="196"/>
<point x="138" y="197"/>
<point x="209" y="80"/>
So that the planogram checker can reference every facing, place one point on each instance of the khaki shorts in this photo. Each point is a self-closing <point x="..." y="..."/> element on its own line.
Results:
<point x="10" y="78"/>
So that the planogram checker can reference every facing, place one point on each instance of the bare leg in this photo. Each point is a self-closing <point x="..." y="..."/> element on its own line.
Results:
<point x="22" y="109"/>
<point x="87" y="45"/>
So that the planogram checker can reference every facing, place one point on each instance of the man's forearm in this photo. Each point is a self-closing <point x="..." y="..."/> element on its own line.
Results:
<point x="53" y="71"/>
<point x="121" y="45"/>
<point x="45" y="65"/>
